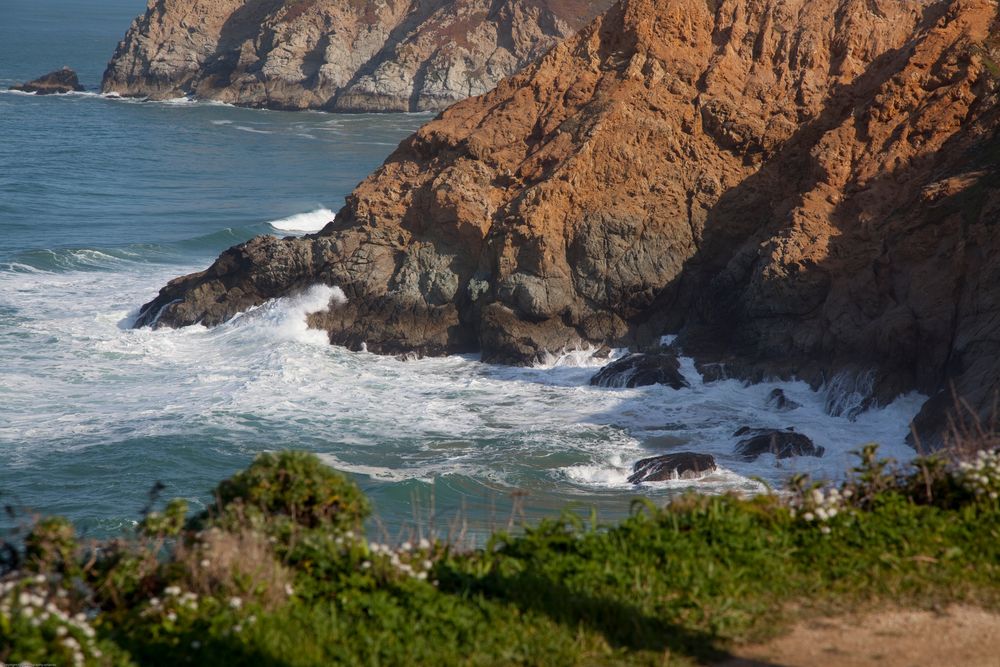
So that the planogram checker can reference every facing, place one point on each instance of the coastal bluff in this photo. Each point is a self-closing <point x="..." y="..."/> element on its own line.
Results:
<point x="336" y="55"/>
<point x="795" y="188"/>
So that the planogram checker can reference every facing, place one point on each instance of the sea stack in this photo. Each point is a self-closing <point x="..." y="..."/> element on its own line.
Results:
<point x="60" y="81"/>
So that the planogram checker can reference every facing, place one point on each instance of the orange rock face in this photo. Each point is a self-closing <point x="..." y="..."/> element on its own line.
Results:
<point x="796" y="187"/>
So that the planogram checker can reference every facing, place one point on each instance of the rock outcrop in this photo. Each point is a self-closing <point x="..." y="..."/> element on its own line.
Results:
<point x="60" y="81"/>
<point x="679" y="465"/>
<point x="339" y="55"/>
<point x="777" y="400"/>
<point x="796" y="188"/>
<point x="783" y="443"/>
<point x="642" y="369"/>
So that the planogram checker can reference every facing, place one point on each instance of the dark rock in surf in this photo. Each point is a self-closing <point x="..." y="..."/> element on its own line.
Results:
<point x="60" y="81"/>
<point x="640" y="370"/>
<point x="777" y="400"/>
<point x="244" y="276"/>
<point x="783" y="444"/>
<point x="680" y="465"/>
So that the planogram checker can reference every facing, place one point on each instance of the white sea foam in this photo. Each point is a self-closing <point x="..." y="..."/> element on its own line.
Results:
<point x="246" y="128"/>
<point x="579" y="358"/>
<point x="71" y="93"/>
<point x="313" y="221"/>
<point x="76" y="382"/>
<point x="285" y="319"/>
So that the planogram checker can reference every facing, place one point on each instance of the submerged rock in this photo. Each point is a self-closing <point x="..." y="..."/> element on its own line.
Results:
<point x="777" y="400"/>
<point x="641" y="369"/>
<point x="60" y="81"/>
<point x="783" y="444"/>
<point x="679" y="465"/>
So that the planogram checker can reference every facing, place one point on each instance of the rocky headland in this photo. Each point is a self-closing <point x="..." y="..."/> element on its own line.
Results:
<point x="336" y="55"/>
<point x="795" y="188"/>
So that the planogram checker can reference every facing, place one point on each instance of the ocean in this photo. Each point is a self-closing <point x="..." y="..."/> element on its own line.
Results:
<point x="103" y="200"/>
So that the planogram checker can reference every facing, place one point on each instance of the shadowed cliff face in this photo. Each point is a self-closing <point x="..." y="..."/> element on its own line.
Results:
<point x="798" y="188"/>
<point x="344" y="55"/>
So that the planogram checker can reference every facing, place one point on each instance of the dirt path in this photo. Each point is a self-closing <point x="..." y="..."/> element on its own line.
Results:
<point x="959" y="637"/>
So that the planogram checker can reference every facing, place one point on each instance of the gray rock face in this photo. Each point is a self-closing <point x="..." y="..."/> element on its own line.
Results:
<point x="60" y="81"/>
<point x="343" y="55"/>
<point x="640" y="369"/>
<point x="679" y="465"/>
<point x="782" y="443"/>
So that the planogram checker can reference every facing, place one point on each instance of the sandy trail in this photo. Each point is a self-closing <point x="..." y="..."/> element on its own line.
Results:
<point x="959" y="636"/>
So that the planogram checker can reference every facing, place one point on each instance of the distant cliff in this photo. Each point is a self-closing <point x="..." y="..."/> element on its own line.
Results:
<point x="338" y="55"/>
<point x="799" y="188"/>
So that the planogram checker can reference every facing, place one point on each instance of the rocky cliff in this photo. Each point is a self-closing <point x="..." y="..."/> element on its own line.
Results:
<point x="797" y="187"/>
<point x="342" y="55"/>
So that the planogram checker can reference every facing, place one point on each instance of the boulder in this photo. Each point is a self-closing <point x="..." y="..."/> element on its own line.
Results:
<point x="60" y="81"/>
<point x="641" y="369"/>
<point x="783" y="443"/>
<point x="777" y="400"/>
<point x="678" y="465"/>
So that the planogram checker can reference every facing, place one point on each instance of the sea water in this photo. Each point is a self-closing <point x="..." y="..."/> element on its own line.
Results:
<point x="103" y="200"/>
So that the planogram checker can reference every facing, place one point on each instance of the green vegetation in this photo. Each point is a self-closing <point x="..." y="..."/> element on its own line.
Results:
<point x="278" y="573"/>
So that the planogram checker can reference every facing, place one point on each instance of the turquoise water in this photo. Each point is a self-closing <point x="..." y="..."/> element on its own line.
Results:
<point x="104" y="200"/>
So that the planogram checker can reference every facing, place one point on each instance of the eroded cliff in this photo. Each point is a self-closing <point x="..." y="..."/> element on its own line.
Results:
<point x="797" y="187"/>
<point x="342" y="55"/>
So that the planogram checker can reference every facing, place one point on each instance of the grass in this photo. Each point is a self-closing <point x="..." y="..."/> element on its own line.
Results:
<point x="279" y="573"/>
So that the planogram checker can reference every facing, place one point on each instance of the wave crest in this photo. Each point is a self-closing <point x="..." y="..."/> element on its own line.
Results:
<point x="313" y="221"/>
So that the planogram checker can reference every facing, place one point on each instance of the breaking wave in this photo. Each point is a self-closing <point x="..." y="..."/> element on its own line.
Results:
<point x="313" y="221"/>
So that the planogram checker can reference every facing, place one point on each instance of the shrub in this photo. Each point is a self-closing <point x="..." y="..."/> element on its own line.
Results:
<point x="296" y="485"/>
<point x="51" y="545"/>
<point x="280" y="573"/>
